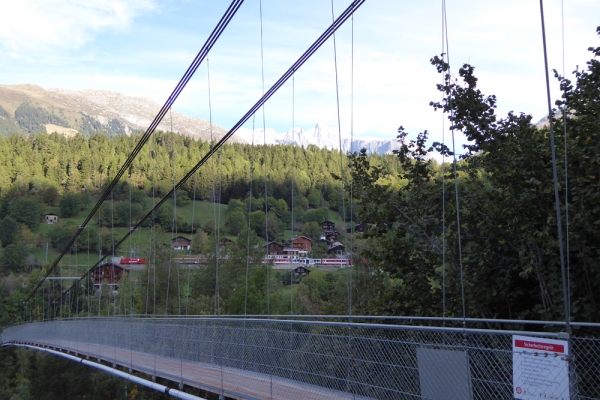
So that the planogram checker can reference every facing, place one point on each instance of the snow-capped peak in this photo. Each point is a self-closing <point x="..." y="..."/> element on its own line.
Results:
<point x="321" y="136"/>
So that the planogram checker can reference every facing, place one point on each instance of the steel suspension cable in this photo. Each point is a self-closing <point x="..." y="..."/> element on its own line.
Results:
<point x="305" y="56"/>
<point x="187" y="293"/>
<point x="443" y="171"/>
<point x="100" y="258"/>
<point x="262" y="70"/>
<point x="293" y="187"/>
<point x="457" y="203"/>
<point x="218" y="222"/>
<point x="339" y="126"/>
<point x="218" y="30"/>
<point x="567" y="308"/>
<point x="174" y="220"/>
<point x="112" y="242"/>
<point x="568" y="251"/>
<point x="214" y="199"/>
<point x="250" y="198"/>
<point x="76" y="287"/>
<point x="87" y="285"/>
<point x="351" y="269"/>
<point x="129" y="279"/>
<point x="152" y="244"/>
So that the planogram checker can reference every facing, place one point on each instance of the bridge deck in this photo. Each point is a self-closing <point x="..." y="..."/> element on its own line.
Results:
<point x="231" y="382"/>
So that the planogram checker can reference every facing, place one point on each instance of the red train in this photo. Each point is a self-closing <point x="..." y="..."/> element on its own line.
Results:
<point x="133" y="261"/>
<point x="275" y="259"/>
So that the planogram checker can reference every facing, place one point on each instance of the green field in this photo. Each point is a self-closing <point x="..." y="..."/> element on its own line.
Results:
<point x="198" y="212"/>
<point x="201" y="211"/>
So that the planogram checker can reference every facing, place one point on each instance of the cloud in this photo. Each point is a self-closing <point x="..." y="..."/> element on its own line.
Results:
<point x="393" y="41"/>
<point x="31" y="26"/>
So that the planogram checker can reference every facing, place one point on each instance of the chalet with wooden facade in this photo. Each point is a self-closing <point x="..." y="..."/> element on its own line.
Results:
<point x="328" y="226"/>
<point x="331" y="237"/>
<point x="301" y="243"/>
<point x="336" y="248"/>
<point x="274" y="248"/>
<point x="359" y="228"/>
<point x="111" y="273"/>
<point x="181" y="243"/>
<point x="301" y="271"/>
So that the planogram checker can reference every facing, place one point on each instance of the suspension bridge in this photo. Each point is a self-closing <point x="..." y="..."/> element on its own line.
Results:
<point x="293" y="356"/>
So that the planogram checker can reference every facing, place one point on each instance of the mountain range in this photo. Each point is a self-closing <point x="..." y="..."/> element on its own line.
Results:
<point x="29" y="109"/>
<point x="321" y="136"/>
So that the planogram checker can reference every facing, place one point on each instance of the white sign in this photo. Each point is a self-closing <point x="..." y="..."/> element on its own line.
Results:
<point x="540" y="368"/>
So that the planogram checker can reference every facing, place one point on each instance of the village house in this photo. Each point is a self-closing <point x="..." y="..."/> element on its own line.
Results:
<point x="331" y="237"/>
<point x="181" y="243"/>
<point x="274" y="248"/>
<point x="51" y="218"/>
<point x="328" y="226"/>
<point x="288" y="251"/>
<point x="301" y="271"/>
<point x="359" y="228"/>
<point x="336" y="248"/>
<point x="112" y="272"/>
<point x="301" y="243"/>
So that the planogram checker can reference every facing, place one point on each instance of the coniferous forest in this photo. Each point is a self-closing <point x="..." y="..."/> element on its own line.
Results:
<point x="488" y="228"/>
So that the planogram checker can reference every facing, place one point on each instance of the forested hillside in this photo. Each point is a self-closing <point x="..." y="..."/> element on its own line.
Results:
<point x="8" y="125"/>
<point x="44" y="173"/>
<point x="85" y="164"/>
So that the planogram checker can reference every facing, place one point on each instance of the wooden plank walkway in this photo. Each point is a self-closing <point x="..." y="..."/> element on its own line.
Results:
<point x="230" y="382"/>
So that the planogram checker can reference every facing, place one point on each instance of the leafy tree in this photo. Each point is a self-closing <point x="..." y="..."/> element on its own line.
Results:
<point x="24" y="235"/>
<point x="126" y="212"/>
<point x="256" y="204"/>
<point x="510" y="258"/>
<point x="279" y="207"/>
<point x="9" y="228"/>
<point x="312" y="230"/>
<point x="49" y="194"/>
<point x="69" y="205"/>
<point x="164" y="217"/>
<point x="182" y="198"/>
<point x="209" y="226"/>
<point x="26" y="211"/>
<point x="200" y="242"/>
<point x="61" y="234"/>
<point x="235" y="222"/>
<point x="319" y="215"/>
<point x="315" y="198"/>
<point x="257" y="223"/>
<point x="139" y="197"/>
<point x="14" y="257"/>
<point x="237" y="205"/>
<point x="319" y="250"/>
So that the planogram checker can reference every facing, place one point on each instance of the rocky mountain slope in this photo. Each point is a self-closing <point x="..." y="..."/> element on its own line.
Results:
<point x="31" y="109"/>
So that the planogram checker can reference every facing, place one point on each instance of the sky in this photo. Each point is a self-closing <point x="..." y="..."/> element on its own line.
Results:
<point x="143" y="47"/>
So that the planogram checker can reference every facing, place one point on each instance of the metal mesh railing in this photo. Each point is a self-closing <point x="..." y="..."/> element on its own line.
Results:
<point x="367" y="360"/>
